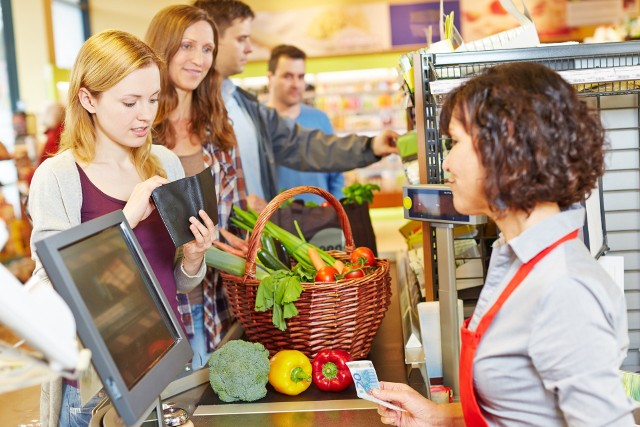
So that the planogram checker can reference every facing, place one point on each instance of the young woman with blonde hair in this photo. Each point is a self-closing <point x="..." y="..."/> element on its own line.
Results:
<point x="107" y="162"/>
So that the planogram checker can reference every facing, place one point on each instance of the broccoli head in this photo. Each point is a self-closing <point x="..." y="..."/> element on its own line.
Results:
<point x="239" y="370"/>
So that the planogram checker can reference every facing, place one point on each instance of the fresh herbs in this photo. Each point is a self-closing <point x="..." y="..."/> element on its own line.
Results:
<point x="279" y="291"/>
<point x="359" y="193"/>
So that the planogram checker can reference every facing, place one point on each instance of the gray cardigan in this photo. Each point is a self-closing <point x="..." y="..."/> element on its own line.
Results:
<point x="55" y="199"/>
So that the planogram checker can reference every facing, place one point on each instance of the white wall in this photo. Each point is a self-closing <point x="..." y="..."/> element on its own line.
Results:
<point x="128" y="15"/>
<point x="31" y="51"/>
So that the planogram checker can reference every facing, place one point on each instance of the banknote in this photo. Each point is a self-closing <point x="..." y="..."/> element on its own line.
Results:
<point x="365" y="379"/>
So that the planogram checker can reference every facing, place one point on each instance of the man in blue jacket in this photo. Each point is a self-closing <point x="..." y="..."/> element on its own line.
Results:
<point x="265" y="139"/>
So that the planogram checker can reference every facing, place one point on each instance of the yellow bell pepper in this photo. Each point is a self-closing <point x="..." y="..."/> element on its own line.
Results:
<point x="290" y="372"/>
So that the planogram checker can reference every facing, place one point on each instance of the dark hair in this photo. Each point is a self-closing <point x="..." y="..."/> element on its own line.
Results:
<point x="224" y="12"/>
<point x="209" y="118"/>
<point x="537" y="141"/>
<point x="284" y="50"/>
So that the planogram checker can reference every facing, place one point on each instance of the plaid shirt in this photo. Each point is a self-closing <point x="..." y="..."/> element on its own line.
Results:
<point x="231" y="190"/>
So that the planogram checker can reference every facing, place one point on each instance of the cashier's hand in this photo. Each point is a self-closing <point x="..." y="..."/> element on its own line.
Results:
<point x="139" y="206"/>
<point x="402" y="395"/>
<point x="204" y="231"/>
<point x="384" y="143"/>
<point x="420" y="411"/>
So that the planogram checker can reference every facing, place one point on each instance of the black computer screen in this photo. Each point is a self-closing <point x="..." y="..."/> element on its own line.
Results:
<point x="137" y="345"/>
<point x="435" y="204"/>
<point x="119" y="303"/>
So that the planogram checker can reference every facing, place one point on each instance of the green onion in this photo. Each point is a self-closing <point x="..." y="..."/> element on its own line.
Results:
<point x="294" y="245"/>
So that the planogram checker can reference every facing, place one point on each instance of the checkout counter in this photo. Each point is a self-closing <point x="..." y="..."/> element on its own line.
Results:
<point x="390" y="351"/>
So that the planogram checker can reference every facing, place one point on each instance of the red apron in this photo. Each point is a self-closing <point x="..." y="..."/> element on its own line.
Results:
<point x="470" y="339"/>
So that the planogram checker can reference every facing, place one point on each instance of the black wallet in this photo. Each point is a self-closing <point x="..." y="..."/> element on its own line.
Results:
<point x="181" y="199"/>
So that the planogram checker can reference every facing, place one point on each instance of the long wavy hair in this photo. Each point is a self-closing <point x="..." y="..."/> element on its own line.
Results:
<point x="537" y="141"/>
<point x="209" y="119"/>
<point x="102" y="62"/>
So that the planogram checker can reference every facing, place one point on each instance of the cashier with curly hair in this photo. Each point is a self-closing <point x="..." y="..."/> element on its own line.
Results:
<point x="549" y="332"/>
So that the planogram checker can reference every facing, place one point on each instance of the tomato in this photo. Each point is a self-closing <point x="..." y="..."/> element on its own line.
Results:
<point x="363" y="256"/>
<point x="326" y="274"/>
<point x="353" y="271"/>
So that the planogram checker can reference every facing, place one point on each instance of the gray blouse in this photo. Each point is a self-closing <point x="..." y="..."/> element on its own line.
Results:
<point x="552" y="354"/>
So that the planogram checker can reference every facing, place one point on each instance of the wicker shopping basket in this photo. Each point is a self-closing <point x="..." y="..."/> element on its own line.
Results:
<point x="345" y="314"/>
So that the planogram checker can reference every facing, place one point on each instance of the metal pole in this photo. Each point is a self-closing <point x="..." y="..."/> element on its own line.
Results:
<point x="448" y="298"/>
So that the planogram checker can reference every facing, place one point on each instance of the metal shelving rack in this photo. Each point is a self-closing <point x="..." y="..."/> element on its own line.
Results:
<point x="608" y="75"/>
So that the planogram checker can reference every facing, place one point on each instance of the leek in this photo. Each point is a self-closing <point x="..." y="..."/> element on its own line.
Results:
<point x="230" y="264"/>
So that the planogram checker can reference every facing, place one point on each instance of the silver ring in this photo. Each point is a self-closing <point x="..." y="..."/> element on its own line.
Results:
<point x="174" y="416"/>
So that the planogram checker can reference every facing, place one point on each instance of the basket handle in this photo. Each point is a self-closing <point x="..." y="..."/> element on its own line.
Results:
<point x="254" y="240"/>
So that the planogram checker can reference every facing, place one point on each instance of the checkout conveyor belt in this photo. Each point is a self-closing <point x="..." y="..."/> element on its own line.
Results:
<point x="314" y="407"/>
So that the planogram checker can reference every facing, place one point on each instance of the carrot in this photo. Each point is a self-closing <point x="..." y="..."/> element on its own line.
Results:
<point x="230" y="249"/>
<point x="314" y="256"/>
<point x="234" y="240"/>
<point x="339" y="265"/>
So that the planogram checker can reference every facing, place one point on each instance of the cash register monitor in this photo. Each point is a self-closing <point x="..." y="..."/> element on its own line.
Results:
<point x="434" y="203"/>
<point x="121" y="313"/>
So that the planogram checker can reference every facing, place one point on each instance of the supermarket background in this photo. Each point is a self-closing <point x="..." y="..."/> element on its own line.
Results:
<point x="353" y="49"/>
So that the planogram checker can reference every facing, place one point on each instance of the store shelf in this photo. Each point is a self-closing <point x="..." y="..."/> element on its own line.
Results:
<point x="607" y="77"/>
<point x="586" y="80"/>
<point x="356" y="101"/>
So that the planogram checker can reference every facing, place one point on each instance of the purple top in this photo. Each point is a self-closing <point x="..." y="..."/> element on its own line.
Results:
<point x="151" y="234"/>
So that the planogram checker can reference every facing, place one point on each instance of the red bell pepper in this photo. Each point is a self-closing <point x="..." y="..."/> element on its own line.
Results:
<point x="329" y="370"/>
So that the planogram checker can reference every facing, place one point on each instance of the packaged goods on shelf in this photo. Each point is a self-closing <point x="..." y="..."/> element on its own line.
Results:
<point x="356" y="101"/>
